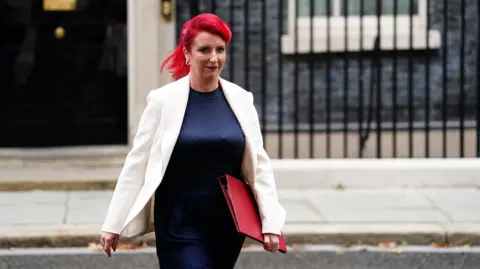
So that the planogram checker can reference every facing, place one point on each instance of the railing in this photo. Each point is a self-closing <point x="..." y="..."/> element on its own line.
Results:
<point x="390" y="79"/>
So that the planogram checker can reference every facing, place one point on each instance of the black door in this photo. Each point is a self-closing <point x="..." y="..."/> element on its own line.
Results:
<point x="63" y="74"/>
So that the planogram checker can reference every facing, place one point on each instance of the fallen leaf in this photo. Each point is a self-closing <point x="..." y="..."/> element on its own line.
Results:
<point x="322" y="261"/>
<point x="363" y="249"/>
<point x="387" y="245"/>
<point x="392" y="244"/>
<point x="340" y="252"/>
<point x="94" y="246"/>
<point x="128" y="246"/>
<point x="397" y="251"/>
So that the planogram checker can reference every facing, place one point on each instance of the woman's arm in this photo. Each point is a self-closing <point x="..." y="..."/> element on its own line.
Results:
<point x="271" y="211"/>
<point x="132" y="176"/>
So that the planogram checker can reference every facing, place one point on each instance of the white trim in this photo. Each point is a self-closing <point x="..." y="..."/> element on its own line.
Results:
<point x="131" y="119"/>
<point x="337" y="32"/>
<point x="63" y="152"/>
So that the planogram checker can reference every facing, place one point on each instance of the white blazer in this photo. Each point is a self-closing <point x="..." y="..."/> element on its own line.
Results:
<point x="131" y="209"/>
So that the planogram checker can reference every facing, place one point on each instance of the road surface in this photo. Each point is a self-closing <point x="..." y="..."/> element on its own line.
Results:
<point x="320" y="256"/>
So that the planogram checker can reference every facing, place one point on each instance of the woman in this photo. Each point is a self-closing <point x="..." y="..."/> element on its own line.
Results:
<point x="192" y="131"/>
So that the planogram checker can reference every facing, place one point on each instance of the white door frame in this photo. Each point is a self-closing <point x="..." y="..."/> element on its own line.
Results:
<point x="149" y="42"/>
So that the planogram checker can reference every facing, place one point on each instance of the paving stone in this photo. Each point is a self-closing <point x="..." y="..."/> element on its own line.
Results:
<point x="291" y="195"/>
<point x="86" y="200"/>
<point x="339" y="214"/>
<point x="87" y="195"/>
<point x="468" y="197"/>
<point x="33" y="197"/>
<point x="81" y="216"/>
<point x="301" y="212"/>
<point x="32" y="214"/>
<point x="70" y="211"/>
<point x="368" y="198"/>
<point x="461" y="205"/>
<point x="467" y="214"/>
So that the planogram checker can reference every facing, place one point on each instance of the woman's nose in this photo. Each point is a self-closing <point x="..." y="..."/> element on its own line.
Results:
<point x="213" y="58"/>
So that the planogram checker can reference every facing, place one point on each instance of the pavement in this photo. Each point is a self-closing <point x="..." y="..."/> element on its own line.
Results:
<point x="89" y="169"/>
<point x="417" y="216"/>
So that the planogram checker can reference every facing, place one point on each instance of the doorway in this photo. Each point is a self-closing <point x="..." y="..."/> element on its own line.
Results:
<point x="63" y="73"/>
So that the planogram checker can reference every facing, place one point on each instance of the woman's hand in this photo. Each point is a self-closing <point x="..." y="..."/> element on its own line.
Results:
<point x="271" y="242"/>
<point x="109" y="241"/>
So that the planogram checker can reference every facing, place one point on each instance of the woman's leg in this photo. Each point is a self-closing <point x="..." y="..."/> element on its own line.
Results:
<point x="227" y="242"/>
<point x="227" y="250"/>
<point x="180" y="241"/>
<point x="183" y="255"/>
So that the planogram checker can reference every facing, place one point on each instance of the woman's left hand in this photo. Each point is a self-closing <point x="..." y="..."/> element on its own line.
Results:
<point x="271" y="242"/>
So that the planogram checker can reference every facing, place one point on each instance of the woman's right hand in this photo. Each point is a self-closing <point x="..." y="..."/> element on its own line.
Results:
<point x="109" y="241"/>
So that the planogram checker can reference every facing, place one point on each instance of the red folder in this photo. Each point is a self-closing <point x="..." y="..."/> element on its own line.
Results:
<point x="244" y="209"/>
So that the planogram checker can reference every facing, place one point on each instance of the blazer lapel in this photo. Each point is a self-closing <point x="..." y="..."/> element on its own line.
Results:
<point x="237" y="106"/>
<point x="173" y="113"/>
<point x="238" y="109"/>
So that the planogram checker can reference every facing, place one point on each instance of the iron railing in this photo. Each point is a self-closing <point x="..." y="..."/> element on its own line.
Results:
<point x="405" y="87"/>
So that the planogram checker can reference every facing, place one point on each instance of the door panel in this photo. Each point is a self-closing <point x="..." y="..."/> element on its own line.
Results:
<point x="63" y="74"/>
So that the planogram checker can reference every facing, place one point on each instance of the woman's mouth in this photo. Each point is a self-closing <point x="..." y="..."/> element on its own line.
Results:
<point x="213" y="68"/>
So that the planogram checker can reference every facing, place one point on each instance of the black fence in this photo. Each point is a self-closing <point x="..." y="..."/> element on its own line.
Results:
<point x="357" y="78"/>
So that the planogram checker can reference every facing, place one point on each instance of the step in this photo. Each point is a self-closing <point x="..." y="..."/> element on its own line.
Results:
<point x="99" y="167"/>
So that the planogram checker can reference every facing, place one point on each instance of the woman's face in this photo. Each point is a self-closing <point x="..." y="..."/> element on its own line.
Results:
<point x="207" y="55"/>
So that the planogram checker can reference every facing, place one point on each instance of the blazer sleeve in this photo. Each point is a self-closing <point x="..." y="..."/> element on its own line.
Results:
<point x="132" y="176"/>
<point x="271" y="211"/>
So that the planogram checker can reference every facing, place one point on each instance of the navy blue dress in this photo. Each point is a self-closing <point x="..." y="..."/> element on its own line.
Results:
<point x="193" y="225"/>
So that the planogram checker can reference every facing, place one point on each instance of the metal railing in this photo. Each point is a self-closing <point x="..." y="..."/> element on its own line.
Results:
<point x="390" y="79"/>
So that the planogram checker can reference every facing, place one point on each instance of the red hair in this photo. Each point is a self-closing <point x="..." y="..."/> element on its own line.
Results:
<point x="206" y="22"/>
